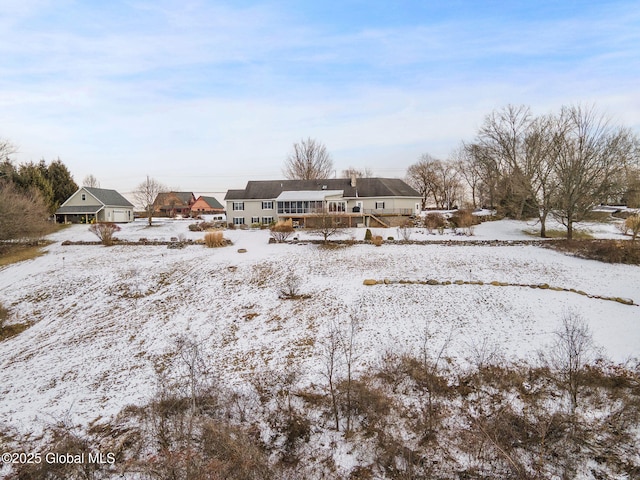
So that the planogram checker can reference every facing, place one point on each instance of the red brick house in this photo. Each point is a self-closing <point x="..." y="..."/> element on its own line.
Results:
<point x="206" y="205"/>
<point x="172" y="204"/>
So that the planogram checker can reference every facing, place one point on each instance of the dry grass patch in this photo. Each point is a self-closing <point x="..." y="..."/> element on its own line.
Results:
<point x="18" y="253"/>
<point x="554" y="233"/>
<point x="610" y="251"/>
<point x="215" y="239"/>
<point x="7" y="331"/>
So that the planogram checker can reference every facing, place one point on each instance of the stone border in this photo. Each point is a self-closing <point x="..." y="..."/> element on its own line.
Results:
<point x="466" y="242"/>
<point x="541" y="286"/>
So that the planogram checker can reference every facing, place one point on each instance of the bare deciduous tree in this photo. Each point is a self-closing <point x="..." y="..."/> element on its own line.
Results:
<point x="469" y="171"/>
<point x="503" y="140"/>
<point x="348" y="342"/>
<point x="6" y="150"/>
<point x="326" y="224"/>
<point x="430" y="357"/>
<point x="421" y="176"/>
<point x="309" y="160"/>
<point x="434" y="178"/>
<point x="90" y="181"/>
<point x="330" y="346"/>
<point x="572" y="350"/>
<point x="488" y="172"/>
<point x="350" y="172"/>
<point x="590" y="155"/>
<point x="146" y="193"/>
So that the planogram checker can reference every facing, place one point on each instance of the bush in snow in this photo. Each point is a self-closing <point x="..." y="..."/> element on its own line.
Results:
<point x="4" y="314"/>
<point x="434" y="221"/>
<point x="290" y="289"/>
<point x="632" y="223"/>
<point x="105" y="231"/>
<point x="281" y="231"/>
<point x="464" y="219"/>
<point x="405" y="230"/>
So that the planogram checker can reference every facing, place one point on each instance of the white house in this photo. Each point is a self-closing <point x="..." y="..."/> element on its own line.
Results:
<point x="360" y="201"/>
<point x="97" y="204"/>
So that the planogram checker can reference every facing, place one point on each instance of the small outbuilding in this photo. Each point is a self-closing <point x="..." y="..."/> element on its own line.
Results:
<point x="95" y="204"/>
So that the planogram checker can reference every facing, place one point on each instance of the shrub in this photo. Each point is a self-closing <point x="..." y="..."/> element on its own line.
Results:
<point x="214" y="240"/>
<point x="290" y="289"/>
<point x="405" y="231"/>
<point x="368" y="236"/>
<point x="23" y="215"/>
<point x="281" y="231"/>
<point x="632" y="223"/>
<point x="203" y="226"/>
<point x="611" y="251"/>
<point x="368" y="403"/>
<point x="378" y="240"/>
<point x="105" y="231"/>
<point x="464" y="219"/>
<point x="4" y="314"/>
<point x="434" y="221"/>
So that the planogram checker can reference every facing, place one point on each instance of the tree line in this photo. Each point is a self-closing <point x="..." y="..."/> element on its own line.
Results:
<point x="30" y="193"/>
<point x="527" y="166"/>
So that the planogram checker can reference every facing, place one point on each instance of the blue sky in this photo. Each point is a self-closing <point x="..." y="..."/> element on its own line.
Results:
<point x="205" y="95"/>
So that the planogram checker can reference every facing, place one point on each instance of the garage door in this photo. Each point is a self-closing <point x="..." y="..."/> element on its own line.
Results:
<point x="120" y="216"/>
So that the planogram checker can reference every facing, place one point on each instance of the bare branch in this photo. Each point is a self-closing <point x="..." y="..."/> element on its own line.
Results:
<point x="309" y="160"/>
<point x="145" y="195"/>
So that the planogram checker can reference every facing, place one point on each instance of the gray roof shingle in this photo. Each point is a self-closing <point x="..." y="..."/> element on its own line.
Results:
<point x="212" y="202"/>
<point x="365" y="187"/>
<point x="79" y="210"/>
<point x="108" y="197"/>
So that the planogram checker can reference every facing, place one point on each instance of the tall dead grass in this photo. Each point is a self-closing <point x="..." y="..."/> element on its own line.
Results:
<point x="214" y="240"/>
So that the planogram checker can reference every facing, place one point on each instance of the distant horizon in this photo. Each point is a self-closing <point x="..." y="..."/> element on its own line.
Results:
<point x="207" y="96"/>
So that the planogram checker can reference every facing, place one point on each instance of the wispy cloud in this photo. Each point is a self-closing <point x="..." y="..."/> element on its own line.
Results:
<point x="138" y="85"/>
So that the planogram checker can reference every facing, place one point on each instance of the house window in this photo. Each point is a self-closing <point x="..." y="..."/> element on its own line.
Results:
<point x="255" y="220"/>
<point x="238" y="206"/>
<point x="238" y="220"/>
<point x="268" y="205"/>
<point x="337" y="207"/>
<point x="84" y="197"/>
<point x="267" y="220"/>
<point x="379" y="205"/>
<point x="311" y="206"/>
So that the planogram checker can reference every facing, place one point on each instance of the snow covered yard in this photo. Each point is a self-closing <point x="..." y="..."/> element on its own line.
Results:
<point x="104" y="318"/>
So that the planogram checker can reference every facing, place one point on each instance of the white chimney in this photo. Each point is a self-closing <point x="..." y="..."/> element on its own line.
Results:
<point x="353" y="180"/>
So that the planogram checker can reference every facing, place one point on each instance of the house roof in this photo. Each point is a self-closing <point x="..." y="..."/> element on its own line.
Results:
<point x="212" y="202"/>
<point x="234" y="195"/>
<point x="184" y="197"/>
<point x="108" y="197"/>
<point x="365" y="187"/>
<point x="79" y="210"/>
<point x="309" y="195"/>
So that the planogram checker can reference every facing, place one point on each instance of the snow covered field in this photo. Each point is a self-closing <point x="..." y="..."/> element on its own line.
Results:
<point x="105" y="317"/>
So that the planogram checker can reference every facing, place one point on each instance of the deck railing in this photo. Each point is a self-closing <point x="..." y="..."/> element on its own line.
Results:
<point x="389" y="211"/>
